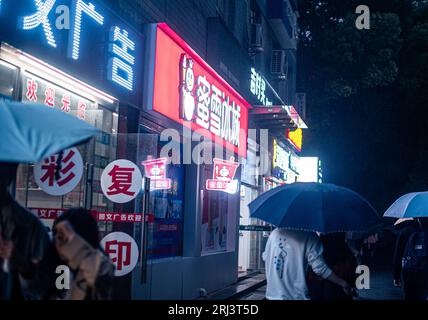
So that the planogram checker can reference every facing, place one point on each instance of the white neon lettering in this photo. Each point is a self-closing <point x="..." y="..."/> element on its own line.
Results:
<point x="80" y="7"/>
<point x="40" y="18"/>
<point x="124" y="61"/>
<point x="115" y="64"/>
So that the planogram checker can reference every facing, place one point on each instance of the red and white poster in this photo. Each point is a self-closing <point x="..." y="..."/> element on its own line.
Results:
<point x="122" y="251"/>
<point x="155" y="169"/>
<point x="121" y="181"/>
<point x="58" y="177"/>
<point x="223" y="174"/>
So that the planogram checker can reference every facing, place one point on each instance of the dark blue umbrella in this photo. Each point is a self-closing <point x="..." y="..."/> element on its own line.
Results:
<point x="315" y="207"/>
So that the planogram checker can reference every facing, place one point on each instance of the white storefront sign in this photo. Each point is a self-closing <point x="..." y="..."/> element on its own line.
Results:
<point x="122" y="251"/>
<point x="58" y="177"/>
<point x="121" y="181"/>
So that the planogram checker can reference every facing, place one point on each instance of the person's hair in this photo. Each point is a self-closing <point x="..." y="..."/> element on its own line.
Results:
<point x="83" y="223"/>
<point x="7" y="173"/>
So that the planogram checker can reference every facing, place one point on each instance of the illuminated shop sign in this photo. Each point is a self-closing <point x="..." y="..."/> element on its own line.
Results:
<point x="280" y="163"/>
<point x="295" y="138"/>
<point x="294" y="163"/>
<point x="223" y="174"/>
<point x="155" y="169"/>
<point x="280" y="156"/>
<point x="206" y="105"/>
<point x="40" y="91"/>
<point x="80" y="37"/>
<point x="259" y="89"/>
<point x="203" y="101"/>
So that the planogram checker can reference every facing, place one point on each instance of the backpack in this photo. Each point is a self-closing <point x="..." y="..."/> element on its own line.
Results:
<point x="415" y="258"/>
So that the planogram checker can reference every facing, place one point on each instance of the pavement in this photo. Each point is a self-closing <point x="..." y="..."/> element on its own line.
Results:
<point x="381" y="288"/>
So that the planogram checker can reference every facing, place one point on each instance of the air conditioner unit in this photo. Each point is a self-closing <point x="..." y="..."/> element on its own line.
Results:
<point x="256" y="37"/>
<point x="279" y="64"/>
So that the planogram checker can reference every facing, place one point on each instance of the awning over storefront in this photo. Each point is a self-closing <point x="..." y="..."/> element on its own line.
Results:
<point x="277" y="117"/>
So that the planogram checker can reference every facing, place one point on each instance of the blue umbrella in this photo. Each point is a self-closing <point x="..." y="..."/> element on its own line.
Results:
<point x="31" y="132"/>
<point x="411" y="205"/>
<point x="315" y="207"/>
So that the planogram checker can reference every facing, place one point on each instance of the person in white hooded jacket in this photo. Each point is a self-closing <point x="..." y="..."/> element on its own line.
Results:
<point x="287" y="255"/>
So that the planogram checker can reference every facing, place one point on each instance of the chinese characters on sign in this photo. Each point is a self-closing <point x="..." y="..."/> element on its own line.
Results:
<point x="280" y="156"/>
<point x="121" y="48"/>
<point x="122" y="251"/>
<point x="121" y="65"/>
<point x="258" y="88"/>
<point x="155" y="169"/>
<point x="41" y="91"/>
<point x="207" y="105"/>
<point x="223" y="174"/>
<point x="58" y="181"/>
<point x="121" y="181"/>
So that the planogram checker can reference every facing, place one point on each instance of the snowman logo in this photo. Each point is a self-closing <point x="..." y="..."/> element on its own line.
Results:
<point x="187" y="86"/>
<point x="224" y="173"/>
<point x="155" y="171"/>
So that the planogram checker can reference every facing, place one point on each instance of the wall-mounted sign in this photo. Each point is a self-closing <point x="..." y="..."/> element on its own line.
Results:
<point x="121" y="181"/>
<point x="122" y="251"/>
<point x="223" y="174"/>
<point x="294" y="163"/>
<point x="38" y="90"/>
<point x="96" y="46"/>
<point x="204" y="100"/>
<point x="258" y="87"/>
<point x="280" y="161"/>
<point x="58" y="181"/>
<point x="295" y="138"/>
<point x="155" y="169"/>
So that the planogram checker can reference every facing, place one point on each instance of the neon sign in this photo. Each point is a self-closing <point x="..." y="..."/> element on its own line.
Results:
<point x="295" y="138"/>
<point x="208" y="106"/>
<point x="97" y="46"/>
<point x="258" y="88"/>
<point x="223" y="174"/>
<point x="40" y="18"/>
<point x="204" y="101"/>
<point x="155" y="169"/>
<point x="80" y="7"/>
<point x="280" y="156"/>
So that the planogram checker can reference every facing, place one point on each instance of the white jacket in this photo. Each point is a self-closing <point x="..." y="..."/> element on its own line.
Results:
<point x="287" y="256"/>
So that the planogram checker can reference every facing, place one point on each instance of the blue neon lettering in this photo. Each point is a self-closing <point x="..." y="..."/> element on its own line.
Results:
<point x="40" y="18"/>
<point x="80" y="7"/>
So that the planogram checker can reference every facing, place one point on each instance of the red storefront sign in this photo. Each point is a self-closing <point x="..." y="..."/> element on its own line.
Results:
<point x="224" y="172"/>
<point x="52" y="214"/>
<point x="190" y="92"/>
<point x="155" y="169"/>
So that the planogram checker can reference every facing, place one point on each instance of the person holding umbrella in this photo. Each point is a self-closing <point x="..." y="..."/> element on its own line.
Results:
<point x="25" y="248"/>
<point x="410" y="262"/>
<point x="300" y="211"/>
<point x="29" y="132"/>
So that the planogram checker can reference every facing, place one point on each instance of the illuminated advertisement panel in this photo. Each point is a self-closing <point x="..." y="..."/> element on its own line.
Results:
<point x="187" y="90"/>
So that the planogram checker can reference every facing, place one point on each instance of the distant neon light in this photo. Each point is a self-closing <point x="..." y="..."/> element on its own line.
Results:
<point x="81" y="7"/>
<point x="40" y="18"/>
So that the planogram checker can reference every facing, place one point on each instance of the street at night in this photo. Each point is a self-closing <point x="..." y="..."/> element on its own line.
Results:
<point x="202" y="152"/>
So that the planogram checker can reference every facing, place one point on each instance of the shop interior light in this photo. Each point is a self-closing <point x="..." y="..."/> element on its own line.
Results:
<point x="66" y="79"/>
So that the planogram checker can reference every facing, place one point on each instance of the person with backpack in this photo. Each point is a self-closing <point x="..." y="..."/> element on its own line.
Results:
<point x="411" y="260"/>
